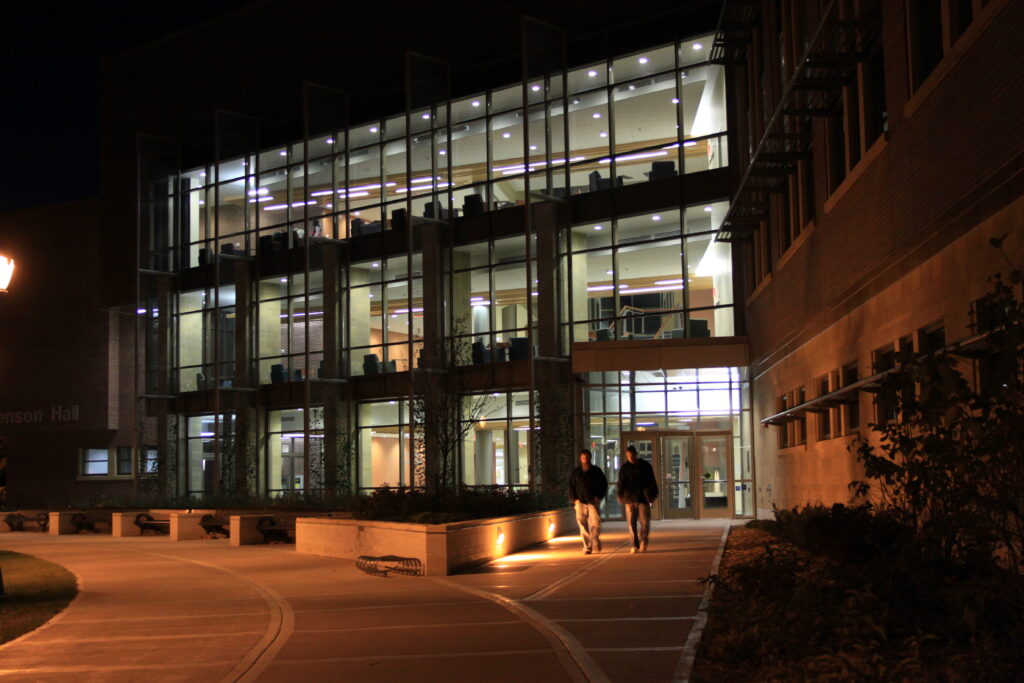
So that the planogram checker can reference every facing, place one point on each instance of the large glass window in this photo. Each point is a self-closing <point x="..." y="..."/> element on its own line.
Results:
<point x="290" y="446"/>
<point x="385" y="447"/>
<point x="657" y="275"/>
<point x="205" y="473"/>
<point x="496" y="449"/>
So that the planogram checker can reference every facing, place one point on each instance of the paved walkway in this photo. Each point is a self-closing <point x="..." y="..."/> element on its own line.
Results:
<point x="153" y="610"/>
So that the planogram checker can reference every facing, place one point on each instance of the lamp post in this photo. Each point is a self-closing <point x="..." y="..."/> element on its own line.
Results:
<point x="6" y="272"/>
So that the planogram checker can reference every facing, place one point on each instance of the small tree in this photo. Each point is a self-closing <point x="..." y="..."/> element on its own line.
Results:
<point x="951" y="466"/>
<point x="442" y="415"/>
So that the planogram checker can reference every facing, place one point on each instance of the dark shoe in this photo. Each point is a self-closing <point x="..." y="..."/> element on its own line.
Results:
<point x="586" y="551"/>
<point x="599" y="545"/>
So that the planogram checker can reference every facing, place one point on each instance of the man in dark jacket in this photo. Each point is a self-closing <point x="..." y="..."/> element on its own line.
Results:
<point x="587" y="486"/>
<point x="636" y="490"/>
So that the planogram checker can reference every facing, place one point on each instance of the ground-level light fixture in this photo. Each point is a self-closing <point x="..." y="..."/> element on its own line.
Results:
<point x="6" y="272"/>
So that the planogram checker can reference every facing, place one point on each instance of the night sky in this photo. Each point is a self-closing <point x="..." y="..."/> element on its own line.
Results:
<point x="51" y="57"/>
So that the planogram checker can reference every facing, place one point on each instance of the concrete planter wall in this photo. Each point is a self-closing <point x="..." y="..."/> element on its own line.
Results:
<point x="245" y="527"/>
<point x="441" y="548"/>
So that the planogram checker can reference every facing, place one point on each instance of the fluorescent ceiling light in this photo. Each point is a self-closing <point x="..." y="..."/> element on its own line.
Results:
<point x="633" y="157"/>
<point x="690" y="143"/>
<point x="677" y="281"/>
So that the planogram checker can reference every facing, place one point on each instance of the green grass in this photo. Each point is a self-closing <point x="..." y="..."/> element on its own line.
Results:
<point x="35" y="590"/>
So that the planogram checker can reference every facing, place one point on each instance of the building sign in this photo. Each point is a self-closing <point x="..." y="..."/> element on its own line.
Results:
<point x="57" y="413"/>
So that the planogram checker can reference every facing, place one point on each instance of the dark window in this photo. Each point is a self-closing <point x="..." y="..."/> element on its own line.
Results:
<point x="836" y="132"/>
<point x="124" y="460"/>
<point x="96" y="462"/>
<point x="925" y="39"/>
<point x="853" y="405"/>
<point x="933" y="339"/>
<point x="784" y="427"/>
<point x="961" y="13"/>
<point x="825" y="416"/>
<point x="885" y="407"/>
<point x="800" y="424"/>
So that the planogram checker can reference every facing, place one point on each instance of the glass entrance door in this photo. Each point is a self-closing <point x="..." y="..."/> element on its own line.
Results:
<point x="714" y="455"/>
<point x="676" y="496"/>
<point x="676" y="458"/>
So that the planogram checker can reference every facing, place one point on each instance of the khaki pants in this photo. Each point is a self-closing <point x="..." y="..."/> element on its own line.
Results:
<point x="589" y="519"/>
<point x="638" y="518"/>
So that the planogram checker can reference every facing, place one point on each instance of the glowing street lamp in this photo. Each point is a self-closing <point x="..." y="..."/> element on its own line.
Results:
<point x="6" y="272"/>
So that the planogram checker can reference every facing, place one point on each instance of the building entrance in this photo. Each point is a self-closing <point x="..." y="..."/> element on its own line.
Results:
<point x="694" y="471"/>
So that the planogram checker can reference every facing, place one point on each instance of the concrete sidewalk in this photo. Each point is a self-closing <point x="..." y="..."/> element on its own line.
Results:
<point x="154" y="610"/>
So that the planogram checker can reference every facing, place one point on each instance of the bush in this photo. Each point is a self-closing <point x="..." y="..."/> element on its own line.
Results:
<point x="412" y="505"/>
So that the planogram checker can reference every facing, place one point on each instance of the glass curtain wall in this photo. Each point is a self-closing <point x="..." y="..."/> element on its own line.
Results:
<point x="694" y="399"/>
<point x="496" y="448"/>
<point x="206" y="338"/>
<point x="288" y="448"/>
<point x="385" y="444"/>
<point x="630" y="119"/>
<point x="658" y="275"/>
<point x="203" y="471"/>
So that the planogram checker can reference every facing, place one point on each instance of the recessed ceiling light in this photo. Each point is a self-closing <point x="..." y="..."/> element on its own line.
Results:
<point x="506" y="135"/>
<point x="375" y="264"/>
<point x="643" y="60"/>
<point x="609" y="272"/>
<point x="330" y="141"/>
<point x="284" y="279"/>
<point x="697" y="46"/>
<point x="631" y="86"/>
<point x="708" y="209"/>
<point x="675" y="100"/>
<point x="202" y="174"/>
<point x="533" y="147"/>
<point x="655" y="217"/>
<point x="475" y="103"/>
<point x="283" y="153"/>
<point x="603" y="134"/>
<point x="201" y="202"/>
<point x="374" y="129"/>
<point x="591" y="73"/>
<point x="535" y="88"/>
<point x="597" y="114"/>
<point x="442" y="152"/>
<point x="371" y="295"/>
<point x="598" y="227"/>
<point x="425" y="117"/>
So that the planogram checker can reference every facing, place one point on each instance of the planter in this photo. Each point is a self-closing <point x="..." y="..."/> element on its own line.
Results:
<point x="441" y="548"/>
<point x="245" y="528"/>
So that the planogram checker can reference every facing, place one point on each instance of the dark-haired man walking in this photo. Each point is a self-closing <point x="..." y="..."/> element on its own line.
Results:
<point x="587" y="486"/>
<point x="636" y="490"/>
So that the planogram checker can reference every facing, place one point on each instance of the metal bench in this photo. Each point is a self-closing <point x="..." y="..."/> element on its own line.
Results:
<point x="381" y="566"/>
<point x="273" y="532"/>
<point x="215" y="528"/>
<point x="146" y="522"/>
<point x="83" y="522"/>
<point x="16" y="521"/>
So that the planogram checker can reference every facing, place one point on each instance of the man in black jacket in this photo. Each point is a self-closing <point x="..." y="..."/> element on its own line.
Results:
<point x="587" y="486"/>
<point x="636" y="490"/>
